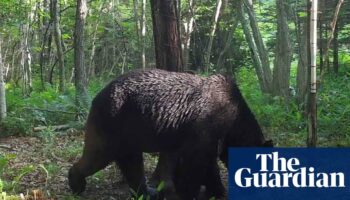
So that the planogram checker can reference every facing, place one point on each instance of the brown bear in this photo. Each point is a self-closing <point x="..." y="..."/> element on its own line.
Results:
<point x="181" y="115"/>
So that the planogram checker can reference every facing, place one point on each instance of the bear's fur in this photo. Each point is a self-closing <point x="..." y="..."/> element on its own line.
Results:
<point x="181" y="115"/>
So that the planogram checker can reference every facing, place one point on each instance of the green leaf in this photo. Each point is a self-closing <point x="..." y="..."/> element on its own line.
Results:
<point x="160" y="186"/>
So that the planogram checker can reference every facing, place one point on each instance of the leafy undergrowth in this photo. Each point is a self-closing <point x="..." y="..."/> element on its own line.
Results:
<point x="283" y="121"/>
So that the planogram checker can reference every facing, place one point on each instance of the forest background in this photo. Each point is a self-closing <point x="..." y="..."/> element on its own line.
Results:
<point x="55" y="55"/>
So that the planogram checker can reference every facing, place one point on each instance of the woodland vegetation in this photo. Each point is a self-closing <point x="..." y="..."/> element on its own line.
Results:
<point x="55" y="55"/>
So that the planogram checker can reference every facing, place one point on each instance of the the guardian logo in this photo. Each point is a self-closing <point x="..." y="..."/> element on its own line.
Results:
<point x="289" y="173"/>
<point x="285" y="172"/>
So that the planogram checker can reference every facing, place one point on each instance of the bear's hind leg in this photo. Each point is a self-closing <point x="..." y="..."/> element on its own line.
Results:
<point x="213" y="183"/>
<point x="194" y="161"/>
<point x="132" y="169"/>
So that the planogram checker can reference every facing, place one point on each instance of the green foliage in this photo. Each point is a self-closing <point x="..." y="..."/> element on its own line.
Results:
<point x="43" y="108"/>
<point x="161" y="186"/>
<point x="280" y="118"/>
<point x="12" y="125"/>
<point x="283" y="120"/>
<point x="4" y="160"/>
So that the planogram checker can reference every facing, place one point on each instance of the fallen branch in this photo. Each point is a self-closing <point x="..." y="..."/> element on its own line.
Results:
<point x="54" y="128"/>
<point x="2" y="146"/>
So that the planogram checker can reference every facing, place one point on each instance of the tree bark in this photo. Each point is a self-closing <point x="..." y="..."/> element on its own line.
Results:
<point x="26" y="57"/>
<point x="211" y="35"/>
<point x="91" y="66"/>
<point x="143" y="34"/>
<point x="331" y="36"/>
<point x="136" y="18"/>
<point x="335" y="50"/>
<point x="263" y="53"/>
<point x="302" y="68"/>
<point x="166" y="35"/>
<point x="320" y="28"/>
<point x="226" y="47"/>
<point x="43" y="42"/>
<point x="187" y="32"/>
<point x="2" y="88"/>
<point x="82" y="100"/>
<point x="168" y="57"/>
<point x="58" y="41"/>
<point x="283" y="55"/>
<point x="257" y="64"/>
<point x="312" y="134"/>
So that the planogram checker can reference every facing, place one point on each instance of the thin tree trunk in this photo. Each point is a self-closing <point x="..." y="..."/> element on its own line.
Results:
<point x="187" y="31"/>
<point x="143" y="34"/>
<point x="166" y="35"/>
<point x="44" y="38"/>
<point x="137" y="20"/>
<point x="253" y="48"/>
<point x="91" y="67"/>
<point x="321" y="43"/>
<point x="312" y="135"/>
<point x="2" y="88"/>
<point x="302" y="68"/>
<point x="283" y="55"/>
<point x="82" y="99"/>
<point x="335" y="50"/>
<point x="226" y="47"/>
<point x="26" y="57"/>
<point x="331" y="36"/>
<point x="212" y="33"/>
<point x="263" y="53"/>
<point x="49" y="58"/>
<point x="59" y="49"/>
<point x="14" y="68"/>
<point x="326" y="57"/>
<point x="25" y="60"/>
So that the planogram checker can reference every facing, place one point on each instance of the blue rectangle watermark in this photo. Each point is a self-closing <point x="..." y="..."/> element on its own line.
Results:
<point x="289" y="173"/>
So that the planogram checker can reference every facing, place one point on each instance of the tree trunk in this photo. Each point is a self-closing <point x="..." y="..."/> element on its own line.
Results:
<point x="90" y="71"/>
<point x="166" y="35"/>
<point x="226" y="47"/>
<point x="137" y="20"/>
<point x="58" y="41"/>
<point x="335" y="50"/>
<point x="264" y="85"/>
<point x="143" y="34"/>
<point x="91" y="67"/>
<point x="312" y="135"/>
<point x="331" y="36"/>
<point x="186" y="33"/>
<point x="211" y="35"/>
<point x="168" y="57"/>
<point x="263" y="53"/>
<point x="82" y="100"/>
<point x="283" y="55"/>
<point x="321" y="42"/>
<point x="302" y="68"/>
<point x="2" y="88"/>
<point x="26" y="57"/>
<point x="43" y="42"/>
<point x="325" y="55"/>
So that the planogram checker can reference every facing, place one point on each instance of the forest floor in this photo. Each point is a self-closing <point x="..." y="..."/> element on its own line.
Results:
<point x="42" y="163"/>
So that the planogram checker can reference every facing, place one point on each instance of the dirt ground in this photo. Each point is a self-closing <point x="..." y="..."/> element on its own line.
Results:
<point x="42" y="163"/>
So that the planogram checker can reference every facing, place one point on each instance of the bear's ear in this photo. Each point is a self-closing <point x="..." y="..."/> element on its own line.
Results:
<point x="268" y="143"/>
